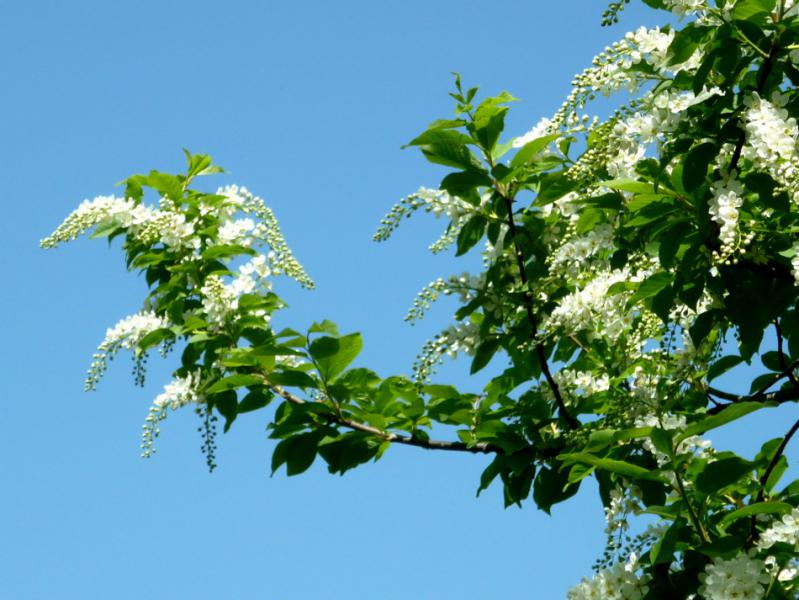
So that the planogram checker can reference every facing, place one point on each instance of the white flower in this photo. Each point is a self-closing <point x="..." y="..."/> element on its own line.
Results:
<point x="258" y="266"/>
<point x="219" y="301"/>
<point x="572" y="256"/>
<point x="619" y="582"/>
<point x="236" y="232"/>
<point x="693" y="444"/>
<point x="177" y="393"/>
<point x="771" y="137"/>
<point x="795" y="263"/>
<point x="785" y="531"/>
<point x="742" y="578"/>
<point x="100" y="210"/>
<point x="622" y="165"/>
<point x="543" y="128"/>
<point x="723" y="209"/>
<point x="683" y="8"/>
<point x="592" y="309"/>
<point x="127" y="334"/>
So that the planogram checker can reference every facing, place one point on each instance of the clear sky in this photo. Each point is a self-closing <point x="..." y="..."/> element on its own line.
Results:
<point x="307" y="104"/>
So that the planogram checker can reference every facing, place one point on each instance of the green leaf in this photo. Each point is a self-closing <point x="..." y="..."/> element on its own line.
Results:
<point x="348" y="451"/>
<point x="531" y="149"/>
<point x="297" y="453"/>
<point x="722" y="365"/>
<point x="728" y="415"/>
<point x="464" y="183"/>
<point x="651" y="286"/>
<point x="609" y="464"/>
<point x="333" y="355"/>
<point x="254" y="401"/>
<point x="554" y="186"/>
<point x="589" y="219"/>
<point x="746" y="10"/>
<point x="226" y="251"/>
<point x="233" y="382"/>
<point x="293" y="378"/>
<point x="685" y="42"/>
<point x="227" y="406"/>
<point x="484" y="353"/>
<point x="662" y="441"/>
<point x="447" y="147"/>
<point x="696" y="164"/>
<point x="328" y="327"/>
<point x="722" y="473"/>
<point x="629" y="185"/>
<point x="489" y="121"/>
<point x="703" y="325"/>
<point x="154" y="338"/>
<point x="470" y="234"/>
<point x="663" y="551"/>
<point x="758" y="508"/>
<point x="552" y="486"/>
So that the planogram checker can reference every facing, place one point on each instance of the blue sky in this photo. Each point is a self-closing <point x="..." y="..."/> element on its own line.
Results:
<point x="306" y="104"/>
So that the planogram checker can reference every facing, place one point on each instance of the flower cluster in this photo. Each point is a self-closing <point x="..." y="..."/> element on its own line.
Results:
<point x="684" y="8"/>
<point x="177" y="394"/>
<point x="541" y="129"/>
<point x="742" y="577"/>
<point x="459" y="338"/>
<point x="784" y="531"/>
<point x="771" y="137"/>
<point x="723" y="209"/>
<point x="220" y="300"/>
<point x="266" y="230"/>
<point x="593" y="309"/>
<point x="103" y="209"/>
<point x="619" y="582"/>
<point x="583" y="383"/>
<point x="127" y="334"/>
<point x="693" y="444"/>
<point x="437" y="202"/>
<point x="465" y="285"/>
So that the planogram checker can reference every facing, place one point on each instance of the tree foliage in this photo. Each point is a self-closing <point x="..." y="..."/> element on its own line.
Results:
<point x="628" y="263"/>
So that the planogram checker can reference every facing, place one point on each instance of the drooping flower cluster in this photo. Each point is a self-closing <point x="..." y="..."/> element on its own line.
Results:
<point x="459" y="338"/>
<point x="464" y="285"/>
<point x="439" y="203"/>
<point x="127" y="334"/>
<point x="723" y="209"/>
<point x="178" y="393"/>
<point x="265" y="230"/>
<point x="102" y="209"/>
<point x="742" y="578"/>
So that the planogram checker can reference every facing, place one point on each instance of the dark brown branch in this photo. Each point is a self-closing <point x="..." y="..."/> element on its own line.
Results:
<point x="528" y="307"/>
<point x="478" y="448"/>
<point x="775" y="460"/>
<point x="783" y="357"/>
<point x="778" y="397"/>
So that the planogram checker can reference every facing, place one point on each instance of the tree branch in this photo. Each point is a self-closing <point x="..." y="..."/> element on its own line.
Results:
<point x="528" y="306"/>
<point x="478" y="448"/>
<point x="775" y="460"/>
